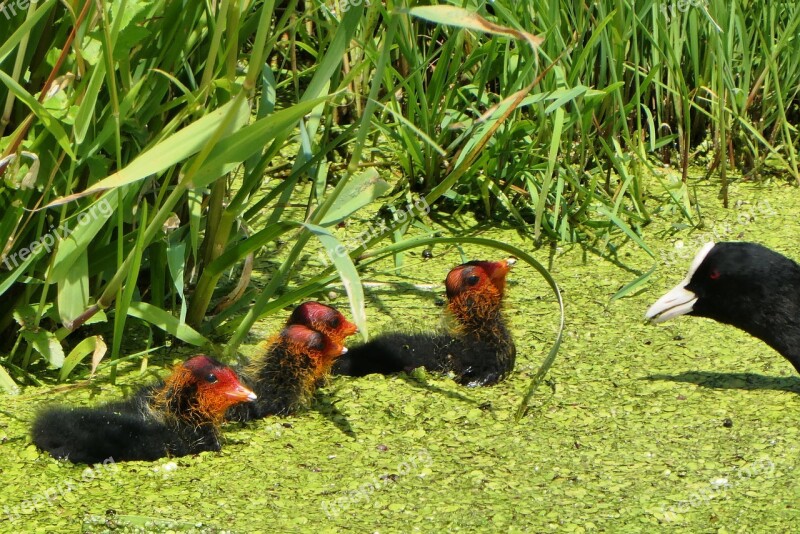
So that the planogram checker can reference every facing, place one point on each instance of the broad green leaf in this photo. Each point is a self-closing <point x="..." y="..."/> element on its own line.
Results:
<point x="562" y="96"/>
<point x="359" y="191"/>
<point x="25" y="314"/>
<point x="99" y="317"/>
<point x="7" y="383"/>
<point x="46" y="344"/>
<point x="86" y="110"/>
<point x="166" y="322"/>
<point x="347" y="272"/>
<point x="91" y="345"/>
<point x="232" y="150"/>
<point x="268" y="92"/>
<point x="20" y="268"/>
<point x="175" y="148"/>
<point x="80" y="230"/>
<point x="73" y="290"/>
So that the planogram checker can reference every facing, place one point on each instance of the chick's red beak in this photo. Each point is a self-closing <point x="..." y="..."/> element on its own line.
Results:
<point x="240" y="394"/>
<point x="348" y="328"/>
<point x="334" y="350"/>
<point x="497" y="271"/>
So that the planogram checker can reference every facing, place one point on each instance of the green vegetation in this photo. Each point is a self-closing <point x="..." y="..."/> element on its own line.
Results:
<point x="144" y="169"/>
<point x="176" y="173"/>
<point x="628" y="435"/>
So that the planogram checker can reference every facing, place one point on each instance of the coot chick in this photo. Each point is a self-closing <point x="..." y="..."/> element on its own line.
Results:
<point x="286" y="374"/>
<point x="477" y="348"/>
<point x="177" y="417"/>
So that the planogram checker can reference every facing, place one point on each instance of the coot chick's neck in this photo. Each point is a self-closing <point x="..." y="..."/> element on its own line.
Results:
<point x="479" y="315"/>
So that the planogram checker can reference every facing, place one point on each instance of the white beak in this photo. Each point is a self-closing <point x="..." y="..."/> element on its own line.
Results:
<point x="678" y="300"/>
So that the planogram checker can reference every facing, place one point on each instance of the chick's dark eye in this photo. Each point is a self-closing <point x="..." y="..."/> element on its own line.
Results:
<point x="473" y="279"/>
<point x="211" y="378"/>
<point x="335" y="321"/>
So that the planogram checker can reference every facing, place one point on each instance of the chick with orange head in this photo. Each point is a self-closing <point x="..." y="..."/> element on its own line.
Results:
<point x="292" y="363"/>
<point x="476" y="347"/>
<point x="178" y="417"/>
<point x="326" y="320"/>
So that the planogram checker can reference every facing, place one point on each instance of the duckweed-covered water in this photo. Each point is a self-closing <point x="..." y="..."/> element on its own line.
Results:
<point x="687" y="426"/>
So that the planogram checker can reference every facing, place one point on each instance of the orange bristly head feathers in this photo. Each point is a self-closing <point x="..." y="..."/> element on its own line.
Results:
<point x="323" y="318"/>
<point x="475" y="289"/>
<point x="200" y="390"/>
<point x="320" y="349"/>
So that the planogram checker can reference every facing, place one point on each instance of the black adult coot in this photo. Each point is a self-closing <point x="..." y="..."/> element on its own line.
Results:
<point x="745" y="285"/>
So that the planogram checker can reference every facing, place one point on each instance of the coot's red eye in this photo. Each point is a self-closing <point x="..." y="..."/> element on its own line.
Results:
<point x="714" y="274"/>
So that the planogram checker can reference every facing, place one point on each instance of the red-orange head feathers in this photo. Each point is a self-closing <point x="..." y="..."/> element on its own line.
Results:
<point x="201" y="389"/>
<point x="323" y="318"/>
<point x="321" y="349"/>
<point x="475" y="291"/>
<point x="478" y="277"/>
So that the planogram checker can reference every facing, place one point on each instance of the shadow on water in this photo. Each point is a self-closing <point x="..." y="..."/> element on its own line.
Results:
<point x="746" y="381"/>
<point x="610" y="256"/>
<point x="375" y="294"/>
<point x="325" y="404"/>
<point x="421" y="383"/>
